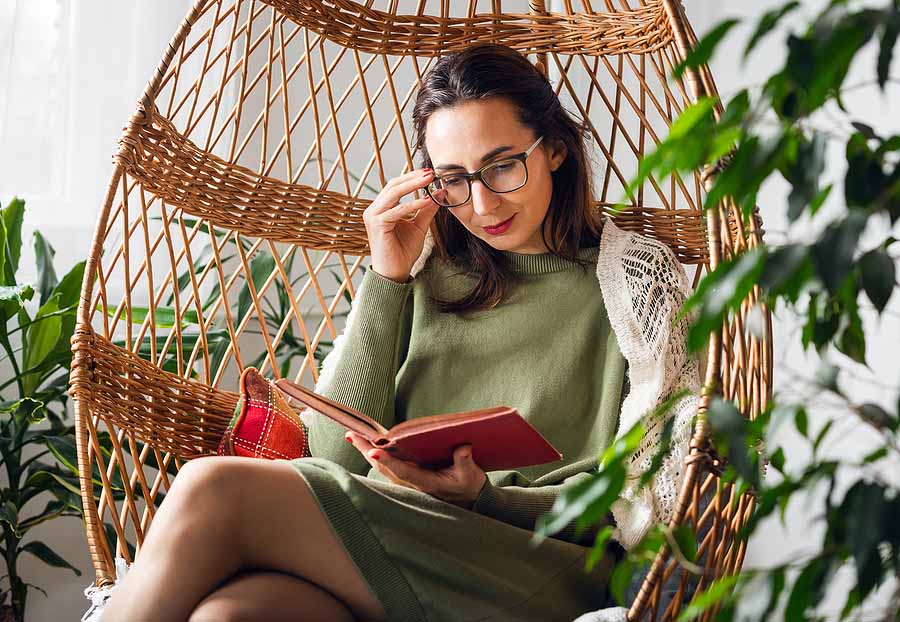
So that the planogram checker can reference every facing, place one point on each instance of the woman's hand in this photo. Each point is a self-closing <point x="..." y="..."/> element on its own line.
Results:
<point x="395" y="242"/>
<point x="458" y="484"/>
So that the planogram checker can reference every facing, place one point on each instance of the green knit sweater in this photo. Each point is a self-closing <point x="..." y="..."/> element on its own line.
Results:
<point x="547" y="349"/>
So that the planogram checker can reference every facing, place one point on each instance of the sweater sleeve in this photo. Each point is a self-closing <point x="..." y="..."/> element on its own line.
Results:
<point x="361" y="369"/>
<point x="521" y="505"/>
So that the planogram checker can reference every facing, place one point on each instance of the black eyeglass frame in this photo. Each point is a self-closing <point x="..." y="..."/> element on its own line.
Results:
<point x="470" y="177"/>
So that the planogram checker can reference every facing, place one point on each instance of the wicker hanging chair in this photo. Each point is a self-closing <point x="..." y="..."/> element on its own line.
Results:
<point x="231" y="233"/>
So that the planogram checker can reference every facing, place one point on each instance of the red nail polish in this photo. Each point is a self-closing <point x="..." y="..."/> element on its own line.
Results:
<point x="348" y="439"/>
<point x="376" y="456"/>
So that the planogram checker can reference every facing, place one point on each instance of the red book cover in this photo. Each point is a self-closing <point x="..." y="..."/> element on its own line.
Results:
<point x="500" y="437"/>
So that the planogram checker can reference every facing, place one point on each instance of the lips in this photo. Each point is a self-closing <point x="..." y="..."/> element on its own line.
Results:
<point x="499" y="225"/>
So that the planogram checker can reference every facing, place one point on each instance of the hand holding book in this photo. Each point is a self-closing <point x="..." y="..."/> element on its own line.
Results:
<point x="459" y="484"/>
<point x="500" y="437"/>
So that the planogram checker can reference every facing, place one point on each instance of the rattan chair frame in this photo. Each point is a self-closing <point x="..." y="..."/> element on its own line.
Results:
<point x="184" y="160"/>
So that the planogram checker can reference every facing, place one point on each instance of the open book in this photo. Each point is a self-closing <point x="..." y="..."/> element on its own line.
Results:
<point x="500" y="437"/>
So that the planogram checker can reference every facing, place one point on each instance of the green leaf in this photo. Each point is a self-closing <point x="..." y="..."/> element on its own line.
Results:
<point x="766" y="24"/>
<point x="727" y="424"/>
<point x="787" y="271"/>
<point x="42" y="336"/>
<point x="876" y="416"/>
<point x="703" y="600"/>
<point x="12" y="217"/>
<point x="805" y="591"/>
<point x="865" y="510"/>
<point x="48" y="556"/>
<point x="686" y="146"/>
<point x="12" y="300"/>
<point x="164" y="317"/>
<point x="621" y="579"/>
<point x="724" y="288"/>
<point x="876" y="455"/>
<point x="803" y="174"/>
<point x="34" y="410"/>
<point x="864" y="180"/>
<point x="888" y="40"/>
<point x="822" y="434"/>
<point x="776" y="587"/>
<point x="777" y="459"/>
<point x="47" y="280"/>
<point x="9" y="514"/>
<point x="593" y="495"/>
<point x="801" y="421"/>
<point x="261" y="266"/>
<point x="598" y="551"/>
<point x="686" y="539"/>
<point x="878" y="277"/>
<point x="69" y="289"/>
<point x="703" y="51"/>
<point x="832" y="253"/>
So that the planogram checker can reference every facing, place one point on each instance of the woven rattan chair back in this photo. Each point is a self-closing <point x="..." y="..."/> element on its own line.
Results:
<point x="231" y="233"/>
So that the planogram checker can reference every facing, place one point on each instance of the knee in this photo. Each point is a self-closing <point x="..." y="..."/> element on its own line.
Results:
<point x="218" y="610"/>
<point x="203" y="492"/>
<point x="216" y="477"/>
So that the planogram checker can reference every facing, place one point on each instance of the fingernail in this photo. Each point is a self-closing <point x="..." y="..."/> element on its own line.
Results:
<point x="347" y="438"/>
<point x="375" y="456"/>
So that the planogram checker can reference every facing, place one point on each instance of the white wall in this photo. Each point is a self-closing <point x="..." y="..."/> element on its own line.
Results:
<point x="70" y="74"/>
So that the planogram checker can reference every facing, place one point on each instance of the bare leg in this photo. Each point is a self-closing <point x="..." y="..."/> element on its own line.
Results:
<point x="270" y="596"/>
<point x="228" y="514"/>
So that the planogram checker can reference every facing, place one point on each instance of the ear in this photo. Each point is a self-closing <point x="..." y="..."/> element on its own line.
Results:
<point x="556" y="154"/>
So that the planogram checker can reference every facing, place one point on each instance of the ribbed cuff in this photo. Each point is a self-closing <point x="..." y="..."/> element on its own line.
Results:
<point x="505" y="505"/>
<point x="520" y="508"/>
<point x="408" y="280"/>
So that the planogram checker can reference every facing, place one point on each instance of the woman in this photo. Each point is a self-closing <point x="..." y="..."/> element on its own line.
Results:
<point x="478" y="294"/>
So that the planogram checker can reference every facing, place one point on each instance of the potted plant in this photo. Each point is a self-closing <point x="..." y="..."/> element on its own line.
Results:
<point x="37" y="444"/>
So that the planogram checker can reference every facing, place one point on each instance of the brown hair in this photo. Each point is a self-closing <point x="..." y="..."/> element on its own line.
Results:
<point x="491" y="70"/>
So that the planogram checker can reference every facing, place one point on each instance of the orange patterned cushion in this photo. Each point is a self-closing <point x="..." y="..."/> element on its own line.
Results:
<point x="264" y="424"/>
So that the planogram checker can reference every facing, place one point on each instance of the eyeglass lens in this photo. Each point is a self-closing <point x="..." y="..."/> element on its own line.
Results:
<point x="451" y="190"/>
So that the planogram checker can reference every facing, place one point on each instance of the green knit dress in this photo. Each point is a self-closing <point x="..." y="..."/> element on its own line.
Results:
<point x="547" y="350"/>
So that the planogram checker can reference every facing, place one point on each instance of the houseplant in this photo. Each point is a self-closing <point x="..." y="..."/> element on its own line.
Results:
<point x="37" y="443"/>
<point x="828" y="280"/>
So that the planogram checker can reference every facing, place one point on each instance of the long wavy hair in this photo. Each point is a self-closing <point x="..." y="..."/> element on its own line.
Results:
<point x="491" y="70"/>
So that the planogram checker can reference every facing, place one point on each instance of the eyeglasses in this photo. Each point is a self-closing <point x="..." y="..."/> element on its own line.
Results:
<point x="506" y="175"/>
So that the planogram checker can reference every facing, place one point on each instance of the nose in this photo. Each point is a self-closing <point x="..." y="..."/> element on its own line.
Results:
<point x="484" y="200"/>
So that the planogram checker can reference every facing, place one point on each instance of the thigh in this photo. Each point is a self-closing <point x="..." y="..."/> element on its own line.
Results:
<point x="271" y="596"/>
<point x="279" y="526"/>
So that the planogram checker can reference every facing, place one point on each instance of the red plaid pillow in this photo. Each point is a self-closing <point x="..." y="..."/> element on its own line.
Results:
<point x="264" y="424"/>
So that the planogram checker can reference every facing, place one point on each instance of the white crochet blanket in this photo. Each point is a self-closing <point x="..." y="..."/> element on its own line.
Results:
<point x="643" y="286"/>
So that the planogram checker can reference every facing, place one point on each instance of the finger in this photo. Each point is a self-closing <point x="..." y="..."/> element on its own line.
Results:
<point x="392" y="477"/>
<point x="462" y="454"/>
<point x="393" y="192"/>
<point x="424" y="216"/>
<point x="402" y="210"/>
<point x="410" y="472"/>
<point x="361" y="444"/>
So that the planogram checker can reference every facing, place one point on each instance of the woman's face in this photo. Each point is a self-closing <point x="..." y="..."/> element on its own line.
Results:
<point x="457" y="140"/>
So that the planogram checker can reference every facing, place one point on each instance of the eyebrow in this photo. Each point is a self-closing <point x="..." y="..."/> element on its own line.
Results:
<point x="490" y="154"/>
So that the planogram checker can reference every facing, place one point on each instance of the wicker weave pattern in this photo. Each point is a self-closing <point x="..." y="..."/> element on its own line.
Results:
<point x="365" y="29"/>
<point x="176" y="170"/>
<point x="238" y="188"/>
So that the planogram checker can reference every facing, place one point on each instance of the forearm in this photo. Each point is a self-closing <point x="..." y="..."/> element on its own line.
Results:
<point x="361" y="371"/>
